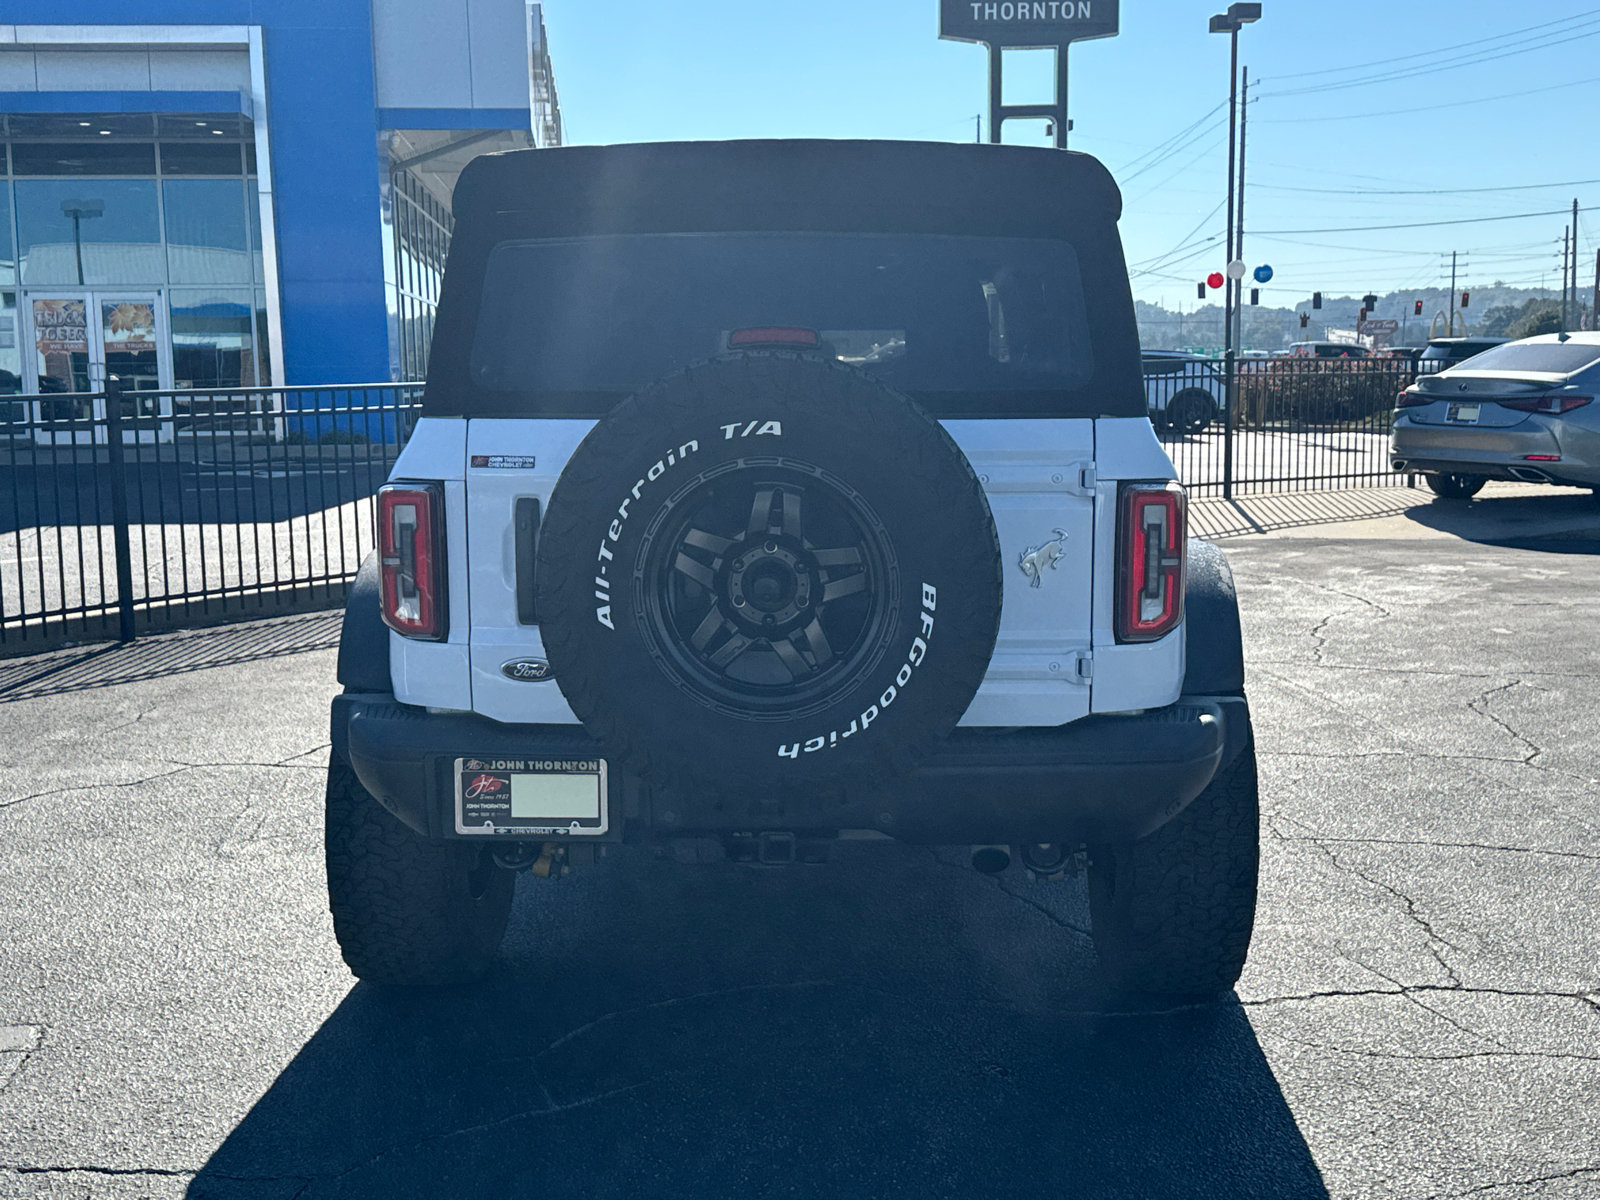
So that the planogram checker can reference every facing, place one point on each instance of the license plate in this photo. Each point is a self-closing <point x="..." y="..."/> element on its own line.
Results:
<point x="531" y="796"/>
<point x="1462" y="414"/>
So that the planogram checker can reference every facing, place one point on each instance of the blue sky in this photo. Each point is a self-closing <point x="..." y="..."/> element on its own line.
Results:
<point x="1333" y="143"/>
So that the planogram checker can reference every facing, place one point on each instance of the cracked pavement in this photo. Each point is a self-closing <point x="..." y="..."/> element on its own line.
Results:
<point x="1420" y="1016"/>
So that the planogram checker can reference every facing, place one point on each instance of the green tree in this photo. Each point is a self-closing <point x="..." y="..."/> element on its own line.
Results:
<point x="1544" y="319"/>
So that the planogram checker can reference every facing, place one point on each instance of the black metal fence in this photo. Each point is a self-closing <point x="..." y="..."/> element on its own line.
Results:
<point x="125" y="511"/>
<point x="1295" y="424"/>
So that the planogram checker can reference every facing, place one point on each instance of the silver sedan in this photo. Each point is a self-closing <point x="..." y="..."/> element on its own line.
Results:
<point x="1527" y="410"/>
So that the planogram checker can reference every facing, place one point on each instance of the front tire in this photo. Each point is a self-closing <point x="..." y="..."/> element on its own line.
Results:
<point x="1456" y="487"/>
<point x="1172" y="913"/>
<point x="408" y="910"/>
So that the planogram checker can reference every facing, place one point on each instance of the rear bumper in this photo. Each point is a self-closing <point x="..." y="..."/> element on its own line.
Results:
<point x="1099" y="779"/>
<point x="1497" y="453"/>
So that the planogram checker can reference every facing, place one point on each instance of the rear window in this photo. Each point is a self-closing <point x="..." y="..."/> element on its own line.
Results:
<point x="1553" y="358"/>
<point x="1174" y="366"/>
<point x="927" y="313"/>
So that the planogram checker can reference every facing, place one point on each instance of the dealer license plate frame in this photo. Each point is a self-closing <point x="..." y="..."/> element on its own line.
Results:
<point x="483" y="809"/>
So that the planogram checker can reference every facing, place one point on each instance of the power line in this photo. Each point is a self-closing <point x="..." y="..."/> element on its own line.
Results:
<point x="1367" y="66"/>
<point x="1410" y="110"/>
<point x="1555" y="212"/>
<point x="1513" y="187"/>
<point x="1566" y="37"/>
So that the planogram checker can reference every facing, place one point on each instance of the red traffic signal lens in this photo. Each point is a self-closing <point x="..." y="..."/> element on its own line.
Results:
<point x="1214" y="279"/>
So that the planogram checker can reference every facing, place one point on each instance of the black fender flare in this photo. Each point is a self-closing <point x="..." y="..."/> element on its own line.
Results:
<point x="1213" y="666"/>
<point x="1213" y="645"/>
<point x="364" y="638"/>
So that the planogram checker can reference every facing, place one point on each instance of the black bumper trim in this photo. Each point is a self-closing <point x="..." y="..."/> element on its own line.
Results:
<point x="1099" y="779"/>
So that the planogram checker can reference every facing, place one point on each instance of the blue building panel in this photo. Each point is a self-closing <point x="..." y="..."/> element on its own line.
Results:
<point x="340" y="93"/>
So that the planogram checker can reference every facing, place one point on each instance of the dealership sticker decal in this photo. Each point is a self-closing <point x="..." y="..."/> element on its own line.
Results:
<point x="524" y="462"/>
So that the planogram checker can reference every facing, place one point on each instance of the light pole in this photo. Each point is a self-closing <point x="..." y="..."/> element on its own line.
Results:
<point x="79" y="210"/>
<point x="1230" y="22"/>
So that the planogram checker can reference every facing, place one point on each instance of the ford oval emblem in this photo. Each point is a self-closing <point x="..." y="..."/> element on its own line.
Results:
<point x="527" y="670"/>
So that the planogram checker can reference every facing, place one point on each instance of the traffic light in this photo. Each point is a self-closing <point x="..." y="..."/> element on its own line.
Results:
<point x="1369" y="302"/>
<point x="1305" y="319"/>
<point x="1416" y="308"/>
<point x="1316" y="299"/>
<point x="1464" y="299"/>
<point x="1201" y="289"/>
<point x="1255" y="295"/>
<point x="1361" y="317"/>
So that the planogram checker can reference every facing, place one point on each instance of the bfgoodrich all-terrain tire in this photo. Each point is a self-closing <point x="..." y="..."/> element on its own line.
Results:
<point x="407" y="910"/>
<point x="1172" y="913"/>
<point x="768" y="572"/>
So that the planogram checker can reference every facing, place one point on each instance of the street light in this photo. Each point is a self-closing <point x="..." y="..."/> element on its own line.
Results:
<point x="1230" y="22"/>
<point x="79" y="210"/>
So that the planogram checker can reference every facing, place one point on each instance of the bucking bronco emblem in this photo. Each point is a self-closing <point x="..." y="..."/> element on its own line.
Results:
<point x="1035" y="559"/>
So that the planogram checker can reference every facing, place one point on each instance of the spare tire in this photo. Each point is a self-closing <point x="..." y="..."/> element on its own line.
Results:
<point x="766" y="570"/>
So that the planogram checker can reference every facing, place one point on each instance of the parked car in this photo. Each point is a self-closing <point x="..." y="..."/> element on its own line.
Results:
<point x="1185" y="392"/>
<point x="1325" y="350"/>
<point x="1447" y="352"/>
<point x="1408" y="354"/>
<point x="733" y="534"/>
<point x="1520" y="410"/>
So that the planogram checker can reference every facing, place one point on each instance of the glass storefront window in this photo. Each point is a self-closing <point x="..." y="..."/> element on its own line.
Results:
<point x="10" y="347"/>
<point x="109" y="229"/>
<point x="208" y="239"/>
<point x="264" y="361"/>
<point x="212" y="342"/>
<point x="61" y="345"/>
<point x="252" y="203"/>
<point x="8" y="259"/>
<point x="83" y="158"/>
<point x="201" y="158"/>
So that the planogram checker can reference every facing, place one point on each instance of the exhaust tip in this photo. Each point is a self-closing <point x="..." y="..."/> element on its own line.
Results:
<point x="1399" y="464"/>
<point x="991" y="860"/>
<point x="1530" y="475"/>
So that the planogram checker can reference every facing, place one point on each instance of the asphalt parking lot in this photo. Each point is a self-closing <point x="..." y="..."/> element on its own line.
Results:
<point x="1420" y="1016"/>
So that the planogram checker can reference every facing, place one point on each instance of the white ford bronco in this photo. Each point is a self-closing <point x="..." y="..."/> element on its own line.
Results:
<point x="769" y="493"/>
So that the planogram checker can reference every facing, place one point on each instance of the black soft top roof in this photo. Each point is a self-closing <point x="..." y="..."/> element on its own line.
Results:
<point x="855" y="186"/>
<point x="791" y="185"/>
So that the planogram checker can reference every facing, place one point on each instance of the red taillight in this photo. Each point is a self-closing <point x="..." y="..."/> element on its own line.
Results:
<point x="1549" y="405"/>
<point x="775" y="335"/>
<point x="411" y="556"/>
<point x="1151" y="548"/>
<point x="1410" y="399"/>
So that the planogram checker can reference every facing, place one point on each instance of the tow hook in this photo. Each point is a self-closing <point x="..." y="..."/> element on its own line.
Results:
<point x="547" y="859"/>
<point x="538" y="857"/>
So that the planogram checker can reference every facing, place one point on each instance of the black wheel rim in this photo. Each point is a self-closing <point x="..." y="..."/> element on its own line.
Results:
<point x="766" y="589"/>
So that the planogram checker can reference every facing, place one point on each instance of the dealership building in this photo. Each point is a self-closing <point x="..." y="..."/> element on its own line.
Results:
<point x="244" y="192"/>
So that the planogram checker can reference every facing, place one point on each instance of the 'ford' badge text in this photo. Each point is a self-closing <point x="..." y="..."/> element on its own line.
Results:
<point x="527" y="670"/>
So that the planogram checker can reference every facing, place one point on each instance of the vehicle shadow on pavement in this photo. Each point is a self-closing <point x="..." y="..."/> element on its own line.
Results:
<point x="893" y="1025"/>
<point x="1564" y="522"/>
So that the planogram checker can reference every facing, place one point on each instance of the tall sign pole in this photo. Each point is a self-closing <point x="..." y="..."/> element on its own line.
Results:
<point x="1003" y="25"/>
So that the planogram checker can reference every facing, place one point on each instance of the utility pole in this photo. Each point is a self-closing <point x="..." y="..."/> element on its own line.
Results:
<point x="977" y="128"/>
<point x="1576" y="307"/>
<point x="1594" y="303"/>
<point x="1450" y="325"/>
<point x="1566" y="239"/>
<point x="1238" y="241"/>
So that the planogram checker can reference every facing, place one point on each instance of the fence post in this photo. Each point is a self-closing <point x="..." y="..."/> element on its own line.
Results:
<point x="1229" y="384"/>
<point x="119" y="507"/>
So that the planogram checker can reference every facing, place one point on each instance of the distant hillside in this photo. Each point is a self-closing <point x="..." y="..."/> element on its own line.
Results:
<point x="1267" y="328"/>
